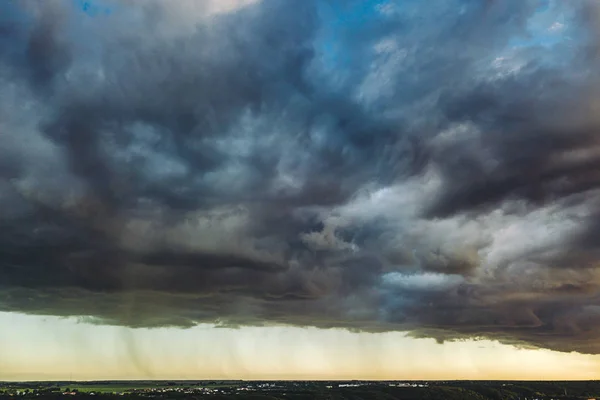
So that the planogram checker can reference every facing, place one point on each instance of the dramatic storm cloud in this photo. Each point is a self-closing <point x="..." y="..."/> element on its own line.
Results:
<point x="429" y="167"/>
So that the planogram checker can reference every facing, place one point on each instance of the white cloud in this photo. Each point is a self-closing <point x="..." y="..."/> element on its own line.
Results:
<point x="426" y="281"/>
<point x="557" y="27"/>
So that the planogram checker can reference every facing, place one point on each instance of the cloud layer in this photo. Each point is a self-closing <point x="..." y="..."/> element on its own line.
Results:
<point x="374" y="165"/>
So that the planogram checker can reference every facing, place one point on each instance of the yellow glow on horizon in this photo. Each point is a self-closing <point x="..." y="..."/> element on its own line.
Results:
<point x="49" y="348"/>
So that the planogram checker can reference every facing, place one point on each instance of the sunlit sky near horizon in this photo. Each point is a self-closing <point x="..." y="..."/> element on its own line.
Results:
<point x="49" y="348"/>
<point x="308" y="172"/>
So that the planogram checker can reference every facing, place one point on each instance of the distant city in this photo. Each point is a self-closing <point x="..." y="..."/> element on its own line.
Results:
<point x="304" y="390"/>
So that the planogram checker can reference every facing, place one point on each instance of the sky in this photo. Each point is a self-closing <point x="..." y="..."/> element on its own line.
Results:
<point x="307" y="190"/>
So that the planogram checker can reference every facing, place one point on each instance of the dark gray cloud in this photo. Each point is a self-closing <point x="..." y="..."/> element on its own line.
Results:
<point x="373" y="165"/>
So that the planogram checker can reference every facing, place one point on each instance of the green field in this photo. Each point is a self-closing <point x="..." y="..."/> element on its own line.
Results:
<point x="116" y="387"/>
<point x="307" y="390"/>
